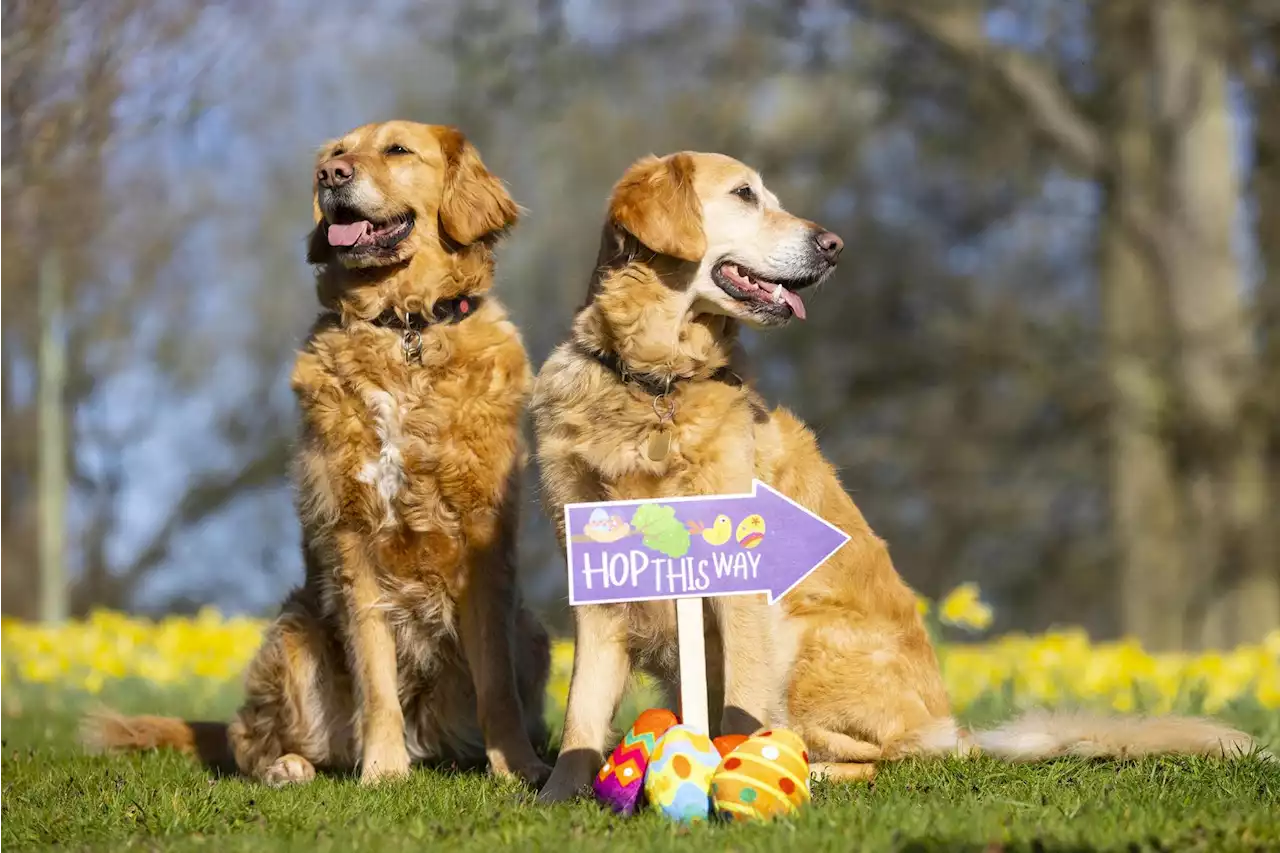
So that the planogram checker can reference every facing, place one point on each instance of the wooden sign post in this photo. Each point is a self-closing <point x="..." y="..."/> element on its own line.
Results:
<point x="693" y="664"/>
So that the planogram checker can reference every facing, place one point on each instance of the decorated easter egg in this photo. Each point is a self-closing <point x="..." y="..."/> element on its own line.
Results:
<point x="620" y="782"/>
<point x="678" y="781"/>
<point x="603" y="527"/>
<point x="765" y="777"/>
<point x="750" y="532"/>
<point x="726" y="744"/>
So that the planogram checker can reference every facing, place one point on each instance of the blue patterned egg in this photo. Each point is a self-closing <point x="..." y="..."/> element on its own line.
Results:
<point x="678" y="779"/>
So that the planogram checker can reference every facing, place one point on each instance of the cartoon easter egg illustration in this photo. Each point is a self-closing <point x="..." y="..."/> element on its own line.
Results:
<point x="678" y="781"/>
<point x="603" y="527"/>
<point x="751" y="531"/>
<point x="765" y="777"/>
<point x="620" y="782"/>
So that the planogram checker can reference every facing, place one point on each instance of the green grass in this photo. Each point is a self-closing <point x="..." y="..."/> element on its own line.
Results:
<point x="55" y="796"/>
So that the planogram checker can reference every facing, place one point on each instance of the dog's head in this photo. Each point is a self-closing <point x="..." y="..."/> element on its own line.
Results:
<point x="384" y="193"/>
<point x="752" y="257"/>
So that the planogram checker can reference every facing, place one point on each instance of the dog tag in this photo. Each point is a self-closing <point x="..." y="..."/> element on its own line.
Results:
<point x="659" y="445"/>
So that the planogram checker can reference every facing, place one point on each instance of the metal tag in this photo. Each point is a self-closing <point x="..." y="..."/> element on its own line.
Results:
<point x="659" y="445"/>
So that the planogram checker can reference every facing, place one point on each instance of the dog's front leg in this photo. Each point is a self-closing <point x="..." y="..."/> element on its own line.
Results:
<point x="752" y="686"/>
<point x="600" y="668"/>
<point x="488" y="626"/>
<point x="372" y="652"/>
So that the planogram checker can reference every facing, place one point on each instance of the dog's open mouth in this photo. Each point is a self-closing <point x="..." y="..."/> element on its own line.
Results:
<point x="773" y="297"/>
<point x="346" y="229"/>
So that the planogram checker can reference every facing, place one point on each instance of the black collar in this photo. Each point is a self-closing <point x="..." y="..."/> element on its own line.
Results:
<point x="652" y="384"/>
<point x="444" y="312"/>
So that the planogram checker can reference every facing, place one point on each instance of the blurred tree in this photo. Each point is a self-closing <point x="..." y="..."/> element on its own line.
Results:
<point x="1191" y="514"/>
<point x="72" y="110"/>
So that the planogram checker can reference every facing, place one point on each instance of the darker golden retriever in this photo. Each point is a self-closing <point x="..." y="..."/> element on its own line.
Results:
<point x="646" y="400"/>
<point x="407" y="640"/>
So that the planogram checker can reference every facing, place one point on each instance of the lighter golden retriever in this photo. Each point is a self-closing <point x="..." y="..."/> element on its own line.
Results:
<point x="407" y="640"/>
<point x="646" y="400"/>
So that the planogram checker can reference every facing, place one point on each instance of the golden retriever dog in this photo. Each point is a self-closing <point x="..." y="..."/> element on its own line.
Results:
<point x="646" y="399"/>
<point x="407" y="640"/>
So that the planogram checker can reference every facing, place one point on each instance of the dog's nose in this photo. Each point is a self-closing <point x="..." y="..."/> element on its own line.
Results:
<point x="829" y="244"/>
<point x="336" y="172"/>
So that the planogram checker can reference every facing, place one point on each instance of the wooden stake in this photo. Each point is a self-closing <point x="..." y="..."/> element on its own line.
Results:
<point x="693" y="664"/>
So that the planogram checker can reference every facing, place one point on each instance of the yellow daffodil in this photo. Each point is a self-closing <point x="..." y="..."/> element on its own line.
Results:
<point x="963" y="608"/>
<point x="1058" y="667"/>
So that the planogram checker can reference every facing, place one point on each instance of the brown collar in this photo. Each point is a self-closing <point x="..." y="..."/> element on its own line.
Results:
<point x="650" y="383"/>
<point x="444" y="312"/>
<point x="411" y="325"/>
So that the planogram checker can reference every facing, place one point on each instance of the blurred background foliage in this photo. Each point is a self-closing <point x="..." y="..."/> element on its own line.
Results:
<point x="1049" y="362"/>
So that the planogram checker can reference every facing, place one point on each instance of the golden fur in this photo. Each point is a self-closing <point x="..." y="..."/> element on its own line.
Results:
<point x="844" y="660"/>
<point x="407" y="640"/>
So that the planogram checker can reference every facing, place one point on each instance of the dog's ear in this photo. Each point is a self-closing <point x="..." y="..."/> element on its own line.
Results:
<point x="475" y="205"/>
<point x="655" y="203"/>
<point x="319" y="252"/>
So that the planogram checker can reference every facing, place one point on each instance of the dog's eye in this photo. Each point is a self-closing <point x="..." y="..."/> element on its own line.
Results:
<point x="392" y="150"/>
<point x="745" y="193"/>
<point x="338" y="152"/>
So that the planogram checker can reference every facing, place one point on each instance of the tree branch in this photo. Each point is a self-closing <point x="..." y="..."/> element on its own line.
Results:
<point x="956" y="28"/>
<point x="203" y="499"/>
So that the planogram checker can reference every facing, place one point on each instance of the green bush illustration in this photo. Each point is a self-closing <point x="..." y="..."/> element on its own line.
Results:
<point x="663" y="532"/>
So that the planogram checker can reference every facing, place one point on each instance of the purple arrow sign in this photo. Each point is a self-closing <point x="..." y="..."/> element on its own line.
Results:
<point x="691" y="547"/>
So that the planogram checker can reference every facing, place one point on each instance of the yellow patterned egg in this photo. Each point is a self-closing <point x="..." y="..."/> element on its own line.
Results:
<point x="678" y="779"/>
<point x="766" y="776"/>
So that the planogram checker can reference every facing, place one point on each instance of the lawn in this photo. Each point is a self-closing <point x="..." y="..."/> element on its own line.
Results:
<point x="56" y="796"/>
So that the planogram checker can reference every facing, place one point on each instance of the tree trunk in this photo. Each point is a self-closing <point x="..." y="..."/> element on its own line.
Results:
<point x="8" y="565"/>
<point x="1232" y="594"/>
<point x="1266" y="197"/>
<point x="1145" y="505"/>
<point x="52" y="443"/>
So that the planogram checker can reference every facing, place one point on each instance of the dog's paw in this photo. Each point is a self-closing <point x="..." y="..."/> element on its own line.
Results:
<point x="560" y="788"/>
<point x="289" y="770"/>
<point x="532" y="771"/>
<point x="385" y="763"/>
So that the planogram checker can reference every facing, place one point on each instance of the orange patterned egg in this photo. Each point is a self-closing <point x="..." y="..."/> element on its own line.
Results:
<point x="726" y="744"/>
<point x="767" y="776"/>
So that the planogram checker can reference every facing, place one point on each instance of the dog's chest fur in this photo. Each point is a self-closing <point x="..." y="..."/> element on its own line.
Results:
<point x="710" y="452"/>
<point x="384" y="472"/>
<point x="417" y="458"/>
<point x="375" y="428"/>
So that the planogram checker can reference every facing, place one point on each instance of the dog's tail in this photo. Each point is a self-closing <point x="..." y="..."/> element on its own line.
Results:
<point x="1041" y="735"/>
<point x="108" y="731"/>
<point x="1045" y="735"/>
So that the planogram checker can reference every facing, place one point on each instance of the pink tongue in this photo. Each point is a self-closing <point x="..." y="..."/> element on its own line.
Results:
<point x="349" y="235"/>
<point x="796" y="303"/>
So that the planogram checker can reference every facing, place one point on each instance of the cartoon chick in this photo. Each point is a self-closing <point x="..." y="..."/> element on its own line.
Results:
<point x="603" y="527"/>
<point x="718" y="533"/>
<point x="751" y="531"/>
